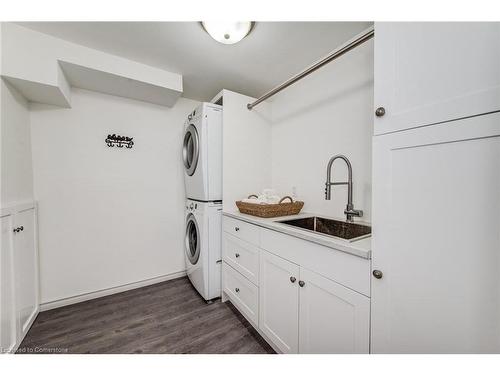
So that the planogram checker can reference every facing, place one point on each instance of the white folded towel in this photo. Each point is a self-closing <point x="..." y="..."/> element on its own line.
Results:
<point x="272" y="199"/>
<point x="254" y="200"/>
<point x="268" y="196"/>
<point x="262" y="199"/>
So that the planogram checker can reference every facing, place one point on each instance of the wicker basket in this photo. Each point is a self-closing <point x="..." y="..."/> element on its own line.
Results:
<point x="270" y="210"/>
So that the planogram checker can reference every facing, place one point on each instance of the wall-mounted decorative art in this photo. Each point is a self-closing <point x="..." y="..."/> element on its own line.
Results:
<point x="119" y="141"/>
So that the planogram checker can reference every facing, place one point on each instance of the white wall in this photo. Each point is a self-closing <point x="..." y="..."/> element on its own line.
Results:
<point x="329" y="112"/>
<point x="246" y="148"/>
<point x="17" y="173"/>
<point x="107" y="216"/>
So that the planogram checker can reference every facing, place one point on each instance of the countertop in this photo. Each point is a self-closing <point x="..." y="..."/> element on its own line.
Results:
<point x="360" y="248"/>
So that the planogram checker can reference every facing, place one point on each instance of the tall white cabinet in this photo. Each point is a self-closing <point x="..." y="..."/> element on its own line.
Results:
<point x="19" y="293"/>
<point x="436" y="184"/>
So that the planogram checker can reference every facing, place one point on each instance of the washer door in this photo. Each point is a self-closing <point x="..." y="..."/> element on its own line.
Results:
<point x="193" y="239"/>
<point x="190" y="149"/>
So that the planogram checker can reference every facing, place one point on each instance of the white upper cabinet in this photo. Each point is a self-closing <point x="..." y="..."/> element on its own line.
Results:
<point x="332" y="318"/>
<point x="279" y="301"/>
<point x="25" y="269"/>
<point x="426" y="73"/>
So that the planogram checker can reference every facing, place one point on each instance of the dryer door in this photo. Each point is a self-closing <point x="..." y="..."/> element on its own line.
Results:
<point x="190" y="149"/>
<point x="193" y="238"/>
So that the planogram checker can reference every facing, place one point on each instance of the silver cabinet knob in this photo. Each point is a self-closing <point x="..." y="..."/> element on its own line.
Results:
<point x="237" y="255"/>
<point x="237" y="290"/>
<point x="302" y="283"/>
<point x="380" y="111"/>
<point x="377" y="274"/>
<point x="236" y="229"/>
<point x="292" y="279"/>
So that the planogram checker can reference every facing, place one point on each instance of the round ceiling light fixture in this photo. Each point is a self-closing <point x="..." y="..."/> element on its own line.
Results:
<point x="227" y="32"/>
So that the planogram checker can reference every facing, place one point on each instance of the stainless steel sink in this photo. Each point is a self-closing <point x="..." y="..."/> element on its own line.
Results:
<point x="334" y="228"/>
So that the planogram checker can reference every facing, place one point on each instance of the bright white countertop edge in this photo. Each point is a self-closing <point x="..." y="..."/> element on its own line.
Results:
<point x="360" y="248"/>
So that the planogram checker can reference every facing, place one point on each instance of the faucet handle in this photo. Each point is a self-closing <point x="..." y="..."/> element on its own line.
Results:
<point x="353" y="212"/>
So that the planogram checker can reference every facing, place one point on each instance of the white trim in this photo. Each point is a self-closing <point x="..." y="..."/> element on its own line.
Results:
<point x="219" y="95"/>
<point x="31" y="320"/>
<point x="106" y="292"/>
<point x="15" y="207"/>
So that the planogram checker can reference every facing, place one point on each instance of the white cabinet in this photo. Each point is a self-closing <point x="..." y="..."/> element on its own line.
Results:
<point x="332" y="318"/>
<point x="302" y="297"/>
<point x="279" y="301"/>
<point x="436" y="220"/>
<point x="19" y="293"/>
<point x="427" y="73"/>
<point x="7" y="310"/>
<point x="25" y="269"/>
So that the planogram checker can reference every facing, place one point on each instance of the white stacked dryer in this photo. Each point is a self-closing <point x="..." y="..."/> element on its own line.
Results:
<point x="202" y="159"/>
<point x="202" y="153"/>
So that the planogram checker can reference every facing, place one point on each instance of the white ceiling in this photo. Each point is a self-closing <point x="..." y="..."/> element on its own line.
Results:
<point x="272" y="52"/>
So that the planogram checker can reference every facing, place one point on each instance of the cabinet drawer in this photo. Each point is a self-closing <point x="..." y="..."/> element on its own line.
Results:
<point x="242" y="256"/>
<point x="242" y="293"/>
<point x="242" y="230"/>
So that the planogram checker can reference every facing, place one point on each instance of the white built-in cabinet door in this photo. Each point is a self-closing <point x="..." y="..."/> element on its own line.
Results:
<point x="332" y="318"/>
<point x="427" y="73"/>
<point x="26" y="269"/>
<point x="7" y="312"/>
<point x="436" y="220"/>
<point x="279" y="301"/>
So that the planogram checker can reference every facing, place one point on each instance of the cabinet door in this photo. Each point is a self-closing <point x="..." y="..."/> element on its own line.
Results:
<point x="436" y="220"/>
<point x="279" y="301"/>
<point x="7" y="313"/>
<point x="427" y="73"/>
<point x="333" y="318"/>
<point x="25" y="269"/>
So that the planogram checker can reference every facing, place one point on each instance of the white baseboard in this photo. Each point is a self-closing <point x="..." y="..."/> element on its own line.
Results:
<point x="106" y="292"/>
<point x="27" y="328"/>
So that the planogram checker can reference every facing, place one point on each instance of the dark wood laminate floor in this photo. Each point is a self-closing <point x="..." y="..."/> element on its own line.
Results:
<point x="168" y="317"/>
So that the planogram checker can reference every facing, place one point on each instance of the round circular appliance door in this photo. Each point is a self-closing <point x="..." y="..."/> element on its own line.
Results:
<point x="190" y="149"/>
<point x="192" y="239"/>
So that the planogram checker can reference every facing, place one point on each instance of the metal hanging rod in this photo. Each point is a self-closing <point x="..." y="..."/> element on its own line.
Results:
<point x="351" y="44"/>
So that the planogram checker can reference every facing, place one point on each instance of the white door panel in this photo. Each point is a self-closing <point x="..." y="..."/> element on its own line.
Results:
<point x="7" y="313"/>
<point x="435" y="238"/>
<point x="332" y="318"/>
<point x="279" y="301"/>
<point x="26" y="268"/>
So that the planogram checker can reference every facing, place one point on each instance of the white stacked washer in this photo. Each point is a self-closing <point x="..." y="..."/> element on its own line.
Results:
<point x="203" y="247"/>
<point x="202" y="158"/>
